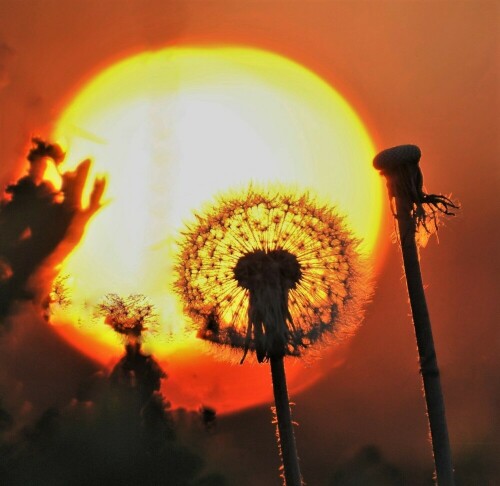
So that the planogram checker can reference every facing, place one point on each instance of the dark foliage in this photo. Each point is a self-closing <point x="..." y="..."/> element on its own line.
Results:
<point x="367" y="468"/>
<point x="119" y="431"/>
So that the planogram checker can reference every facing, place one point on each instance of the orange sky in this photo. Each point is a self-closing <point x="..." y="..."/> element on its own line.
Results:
<point x="416" y="72"/>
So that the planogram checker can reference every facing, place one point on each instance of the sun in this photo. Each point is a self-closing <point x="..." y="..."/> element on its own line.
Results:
<point x="171" y="129"/>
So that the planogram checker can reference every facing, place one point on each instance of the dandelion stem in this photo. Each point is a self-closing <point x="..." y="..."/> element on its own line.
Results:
<point x="285" y="427"/>
<point x="425" y="344"/>
<point x="404" y="180"/>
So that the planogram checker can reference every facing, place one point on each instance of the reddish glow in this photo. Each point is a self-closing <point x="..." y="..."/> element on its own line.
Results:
<point x="196" y="377"/>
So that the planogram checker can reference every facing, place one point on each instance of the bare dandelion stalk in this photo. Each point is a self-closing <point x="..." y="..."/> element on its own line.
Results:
<point x="287" y="443"/>
<point x="413" y="208"/>
<point x="273" y="274"/>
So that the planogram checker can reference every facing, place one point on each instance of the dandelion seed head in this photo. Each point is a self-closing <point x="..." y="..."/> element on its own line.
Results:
<point x="266" y="257"/>
<point x="129" y="316"/>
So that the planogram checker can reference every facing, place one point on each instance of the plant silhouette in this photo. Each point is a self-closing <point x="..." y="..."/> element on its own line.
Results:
<point x="39" y="226"/>
<point x="130" y="317"/>
<point x="273" y="274"/>
<point x="413" y="209"/>
<point x="106" y="435"/>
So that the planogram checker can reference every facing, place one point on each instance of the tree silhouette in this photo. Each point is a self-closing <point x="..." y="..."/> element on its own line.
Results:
<point x="413" y="208"/>
<point x="39" y="226"/>
<point x="273" y="274"/>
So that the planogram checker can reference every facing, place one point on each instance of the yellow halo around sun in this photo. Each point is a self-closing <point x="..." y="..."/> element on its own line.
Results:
<point x="171" y="129"/>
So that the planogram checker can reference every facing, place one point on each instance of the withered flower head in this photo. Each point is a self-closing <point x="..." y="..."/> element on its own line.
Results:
<point x="400" y="166"/>
<point x="270" y="272"/>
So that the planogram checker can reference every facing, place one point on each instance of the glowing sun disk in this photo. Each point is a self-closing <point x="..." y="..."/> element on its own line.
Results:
<point x="173" y="128"/>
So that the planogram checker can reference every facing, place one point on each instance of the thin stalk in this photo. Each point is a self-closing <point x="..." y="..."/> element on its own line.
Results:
<point x="414" y="207"/>
<point x="285" y="427"/>
<point x="425" y="343"/>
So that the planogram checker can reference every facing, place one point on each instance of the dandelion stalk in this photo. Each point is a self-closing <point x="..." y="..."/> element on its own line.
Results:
<point x="288" y="447"/>
<point x="414" y="208"/>
<point x="271" y="274"/>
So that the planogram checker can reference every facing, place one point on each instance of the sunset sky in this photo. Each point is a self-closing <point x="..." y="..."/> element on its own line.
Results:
<point x="426" y="73"/>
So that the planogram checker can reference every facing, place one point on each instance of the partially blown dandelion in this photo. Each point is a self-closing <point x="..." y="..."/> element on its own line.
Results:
<point x="130" y="316"/>
<point x="271" y="273"/>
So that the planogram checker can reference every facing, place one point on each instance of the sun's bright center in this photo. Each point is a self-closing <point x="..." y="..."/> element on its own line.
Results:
<point x="172" y="129"/>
